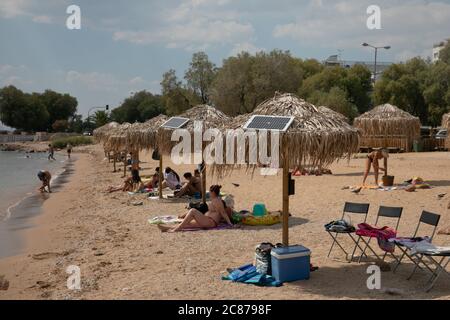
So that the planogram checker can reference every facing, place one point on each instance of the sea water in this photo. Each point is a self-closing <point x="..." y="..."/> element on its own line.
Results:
<point x="19" y="198"/>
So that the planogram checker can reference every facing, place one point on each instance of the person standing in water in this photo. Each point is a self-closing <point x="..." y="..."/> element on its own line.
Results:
<point x="373" y="160"/>
<point x="45" y="177"/>
<point x="51" y="152"/>
<point x="69" y="150"/>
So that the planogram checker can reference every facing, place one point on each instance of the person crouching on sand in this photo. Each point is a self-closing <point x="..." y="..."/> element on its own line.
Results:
<point x="373" y="160"/>
<point x="45" y="177"/>
<point x="197" y="220"/>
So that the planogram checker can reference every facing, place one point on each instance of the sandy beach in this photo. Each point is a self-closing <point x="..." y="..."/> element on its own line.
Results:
<point x="122" y="256"/>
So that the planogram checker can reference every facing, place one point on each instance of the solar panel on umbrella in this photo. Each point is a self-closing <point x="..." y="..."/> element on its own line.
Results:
<point x="276" y="123"/>
<point x="175" y="123"/>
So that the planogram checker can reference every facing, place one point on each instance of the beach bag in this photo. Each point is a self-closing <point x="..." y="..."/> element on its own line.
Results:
<point x="263" y="260"/>
<point x="155" y="155"/>
<point x="200" y="206"/>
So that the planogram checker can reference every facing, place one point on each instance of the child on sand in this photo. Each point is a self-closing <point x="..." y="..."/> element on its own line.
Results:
<point x="45" y="177"/>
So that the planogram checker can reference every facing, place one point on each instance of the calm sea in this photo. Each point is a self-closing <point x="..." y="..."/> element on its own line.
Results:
<point x="19" y="199"/>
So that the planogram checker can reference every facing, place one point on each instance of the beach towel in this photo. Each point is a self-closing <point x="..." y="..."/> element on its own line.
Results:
<point x="382" y="234"/>
<point x="248" y="274"/>
<point x="222" y="226"/>
<point x="408" y="241"/>
<point x="164" y="220"/>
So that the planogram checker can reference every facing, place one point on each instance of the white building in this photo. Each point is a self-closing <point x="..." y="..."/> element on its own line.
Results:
<point x="437" y="49"/>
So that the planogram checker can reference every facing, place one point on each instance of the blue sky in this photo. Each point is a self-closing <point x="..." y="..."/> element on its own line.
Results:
<point x="124" y="46"/>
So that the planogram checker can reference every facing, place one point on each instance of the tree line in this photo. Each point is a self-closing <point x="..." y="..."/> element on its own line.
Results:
<point x="244" y="81"/>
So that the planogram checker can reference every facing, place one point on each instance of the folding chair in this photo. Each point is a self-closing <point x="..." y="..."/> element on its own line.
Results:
<point x="349" y="208"/>
<point x="427" y="218"/>
<point x="385" y="212"/>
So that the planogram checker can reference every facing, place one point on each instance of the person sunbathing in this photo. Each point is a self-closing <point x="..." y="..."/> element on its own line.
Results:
<point x="190" y="188"/>
<point x="126" y="186"/>
<point x="197" y="220"/>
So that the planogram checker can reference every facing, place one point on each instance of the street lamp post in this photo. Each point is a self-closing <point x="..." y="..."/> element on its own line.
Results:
<point x="376" y="57"/>
<point x="94" y="108"/>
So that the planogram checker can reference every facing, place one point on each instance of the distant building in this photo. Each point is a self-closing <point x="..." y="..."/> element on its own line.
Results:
<point x="437" y="49"/>
<point x="335" y="61"/>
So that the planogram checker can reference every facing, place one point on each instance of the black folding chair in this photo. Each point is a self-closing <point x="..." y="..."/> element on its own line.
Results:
<point x="426" y="218"/>
<point x="383" y="212"/>
<point x="355" y="209"/>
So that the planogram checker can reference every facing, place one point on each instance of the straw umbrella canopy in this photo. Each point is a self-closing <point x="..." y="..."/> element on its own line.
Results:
<point x="116" y="137"/>
<point x="333" y="114"/>
<point x="101" y="133"/>
<point x="313" y="138"/>
<point x="389" y="122"/>
<point x="209" y="116"/>
<point x="142" y="136"/>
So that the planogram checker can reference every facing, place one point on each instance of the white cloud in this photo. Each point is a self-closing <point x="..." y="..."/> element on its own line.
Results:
<point x="410" y="27"/>
<point x="42" y="19"/>
<point x="13" y="8"/>
<point x="245" y="46"/>
<point x="194" y="25"/>
<point x="14" y="75"/>
<point x="106" y="82"/>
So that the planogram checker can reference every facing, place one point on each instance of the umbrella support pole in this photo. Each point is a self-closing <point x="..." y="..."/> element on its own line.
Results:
<point x="125" y="165"/>
<point x="285" y="199"/>
<point x="204" y="185"/>
<point x="114" y="161"/>
<point x="160" y="177"/>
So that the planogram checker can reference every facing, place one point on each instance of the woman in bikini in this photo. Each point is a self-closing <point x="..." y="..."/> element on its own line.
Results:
<point x="373" y="160"/>
<point x="196" y="219"/>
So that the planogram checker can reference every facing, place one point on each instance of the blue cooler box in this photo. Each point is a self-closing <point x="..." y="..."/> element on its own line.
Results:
<point x="290" y="263"/>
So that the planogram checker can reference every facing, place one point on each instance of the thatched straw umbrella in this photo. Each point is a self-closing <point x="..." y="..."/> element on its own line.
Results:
<point x="446" y="125"/>
<point x="116" y="141"/>
<point x="388" y="126"/>
<point x="313" y="138"/>
<point x="101" y="133"/>
<point x="333" y="114"/>
<point x="209" y="116"/>
<point x="142" y="136"/>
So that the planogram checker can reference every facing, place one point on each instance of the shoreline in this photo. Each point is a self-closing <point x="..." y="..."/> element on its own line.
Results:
<point x="121" y="256"/>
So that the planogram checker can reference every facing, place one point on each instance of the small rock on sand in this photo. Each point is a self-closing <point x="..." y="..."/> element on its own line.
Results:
<point x="4" y="284"/>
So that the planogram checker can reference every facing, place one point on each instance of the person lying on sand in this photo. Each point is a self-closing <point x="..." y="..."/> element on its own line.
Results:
<point x="190" y="188"/>
<point x="45" y="177"/>
<point x="127" y="186"/>
<point x="196" y="219"/>
<point x="373" y="160"/>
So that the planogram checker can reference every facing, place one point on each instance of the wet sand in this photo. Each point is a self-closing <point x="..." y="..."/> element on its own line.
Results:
<point x="121" y="256"/>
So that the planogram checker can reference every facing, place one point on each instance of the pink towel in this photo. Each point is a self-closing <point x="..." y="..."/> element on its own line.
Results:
<point x="382" y="235"/>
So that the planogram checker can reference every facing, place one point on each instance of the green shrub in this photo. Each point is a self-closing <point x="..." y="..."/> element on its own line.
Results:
<point x="74" y="141"/>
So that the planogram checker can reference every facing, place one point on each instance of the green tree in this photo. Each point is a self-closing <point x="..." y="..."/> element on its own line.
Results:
<point x="245" y="81"/>
<point x="22" y="111"/>
<point x="403" y="86"/>
<point x="336" y="99"/>
<point x="200" y="76"/>
<point x="60" y="125"/>
<point x="140" y="107"/>
<point x="59" y="106"/>
<point x="100" y="118"/>
<point x="354" y="82"/>
<point x="176" y="97"/>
